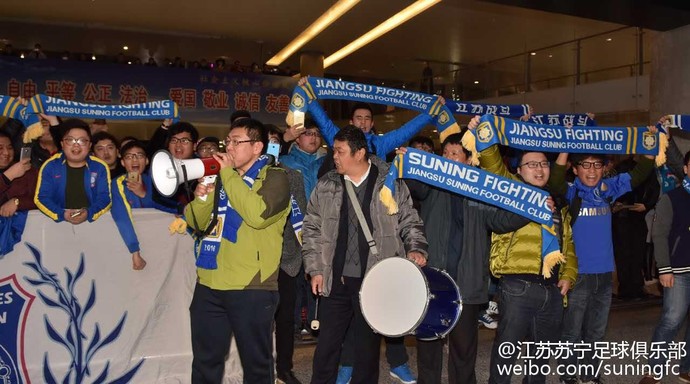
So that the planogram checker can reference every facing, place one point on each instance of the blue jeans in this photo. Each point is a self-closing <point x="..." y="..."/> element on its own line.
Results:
<point x="675" y="311"/>
<point x="586" y="317"/>
<point x="529" y="311"/>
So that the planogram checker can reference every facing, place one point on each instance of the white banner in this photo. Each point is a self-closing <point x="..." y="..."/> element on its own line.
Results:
<point x="71" y="306"/>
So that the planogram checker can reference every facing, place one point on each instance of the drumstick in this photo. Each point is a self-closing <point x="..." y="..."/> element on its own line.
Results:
<point x="315" y="323"/>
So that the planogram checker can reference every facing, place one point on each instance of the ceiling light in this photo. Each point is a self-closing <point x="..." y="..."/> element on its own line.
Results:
<point x="125" y="47"/>
<point x="413" y="10"/>
<point x="476" y="81"/>
<point x="93" y="57"/>
<point x="533" y="53"/>
<point x="550" y="56"/>
<point x="609" y="39"/>
<point x="21" y="56"/>
<point x="326" y="19"/>
<point x="129" y="62"/>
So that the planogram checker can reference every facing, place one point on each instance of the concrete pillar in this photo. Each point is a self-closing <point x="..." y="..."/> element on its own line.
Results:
<point x="311" y="63"/>
<point x="669" y="91"/>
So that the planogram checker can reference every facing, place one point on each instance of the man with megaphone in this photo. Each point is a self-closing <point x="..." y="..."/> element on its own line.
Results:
<point x="238" y="258"/>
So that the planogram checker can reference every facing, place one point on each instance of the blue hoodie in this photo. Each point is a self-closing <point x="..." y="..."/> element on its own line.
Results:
<point x="307" y="164"/>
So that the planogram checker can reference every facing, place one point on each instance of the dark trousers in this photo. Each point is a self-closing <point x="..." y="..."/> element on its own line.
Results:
<point x="216" y="316"/>
<point x="462" y="357"/>
<point x="285" y="321"/>
<point x="629" y="246"/>
<point x="528" y="311"/>
<point x="335" y="314"/>
<point x="396" y="354"/>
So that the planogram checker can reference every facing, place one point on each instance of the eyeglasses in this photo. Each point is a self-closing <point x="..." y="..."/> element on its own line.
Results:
<point x="589" y="164"/>
<point x="311" y="133"/>
<point x="536" y="164"/>
<point x="183" y="141"/>
<point x="234" y="143"/>
<point x="72" y="141"/>
<point x="132" y="156"/>
<point x="210" y="150"/>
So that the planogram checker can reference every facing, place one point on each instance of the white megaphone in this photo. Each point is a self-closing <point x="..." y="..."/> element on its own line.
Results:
<point x="167" y="172"/>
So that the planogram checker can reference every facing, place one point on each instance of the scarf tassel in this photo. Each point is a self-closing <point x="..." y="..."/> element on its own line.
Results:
<point x="386" y="196"/>
<point x="470" y="143"/>
<point x="178" y="226"/>
<point x="550" y="261"/>
<point x="663" y="145"/>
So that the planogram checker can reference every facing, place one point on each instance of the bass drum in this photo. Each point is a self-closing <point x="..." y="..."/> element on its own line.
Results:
<point x="399" y="298"/>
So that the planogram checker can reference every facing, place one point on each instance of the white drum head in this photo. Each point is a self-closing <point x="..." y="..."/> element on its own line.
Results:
<point x="394" y="297"/>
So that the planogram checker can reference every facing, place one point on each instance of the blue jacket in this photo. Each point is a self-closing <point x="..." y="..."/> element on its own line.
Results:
<point x="50" y="187"/>
<point x="123" y="202"/>
<point x="307" y="164"/>
<point x="379" y="145"/>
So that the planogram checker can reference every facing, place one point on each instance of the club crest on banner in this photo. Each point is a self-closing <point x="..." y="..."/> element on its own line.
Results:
<point x="15" y="303"/>
<point x="649" y="140"/>
<point x="297" y="101"/>
<point x="443" y="118"/>
<point x="484" y="132"/>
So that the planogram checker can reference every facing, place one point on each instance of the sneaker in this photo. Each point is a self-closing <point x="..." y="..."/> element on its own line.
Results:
<point x="404" y="374"/>
<point x="493" y="308"/>
<point x="649" y="380"/>
<point x="684" y="377"/>
<point x="569" y="380"/>
<point x="344" y="375"/>
<point x="488" y="321"/>
<point x="287" y="377"/>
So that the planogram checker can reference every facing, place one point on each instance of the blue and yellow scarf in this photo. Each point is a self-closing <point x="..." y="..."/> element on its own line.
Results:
<point x="522" y="199"/>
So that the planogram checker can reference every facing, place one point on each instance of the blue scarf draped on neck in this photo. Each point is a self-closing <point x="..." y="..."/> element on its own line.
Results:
<point x="231" y="220"/>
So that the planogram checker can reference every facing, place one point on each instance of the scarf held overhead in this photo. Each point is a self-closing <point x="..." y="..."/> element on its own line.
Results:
<point x="11" y="107"/>
<point x="152" y="110"/>
<point x="507" y="110"/>
<point x="318" y="88"/>
<point x="528" y="136"/>
<point x="516" y="197"/>
<point x="680" y="121"/>
<point x="574" y="119"/>
<point x="229" y="221"/>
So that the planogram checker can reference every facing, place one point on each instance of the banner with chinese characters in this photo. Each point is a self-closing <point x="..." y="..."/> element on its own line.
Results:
<point x="72" y="309"/>
<point x="203" y="96"/>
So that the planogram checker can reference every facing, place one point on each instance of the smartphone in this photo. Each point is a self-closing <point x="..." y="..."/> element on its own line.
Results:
<point x="25" y="153"/>
<point x="133" y="176"/>
<point x="273" y="149"/>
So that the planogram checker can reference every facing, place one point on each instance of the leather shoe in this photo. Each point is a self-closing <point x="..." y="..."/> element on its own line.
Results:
<point x="288" y="377"/>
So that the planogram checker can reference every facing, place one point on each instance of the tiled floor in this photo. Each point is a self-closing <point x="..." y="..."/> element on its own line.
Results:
<point x="629" y="321"/>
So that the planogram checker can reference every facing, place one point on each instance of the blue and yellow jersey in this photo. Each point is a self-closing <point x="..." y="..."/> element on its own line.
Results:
<point x="124" y="201"/>
<point x="50" y="187"/>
